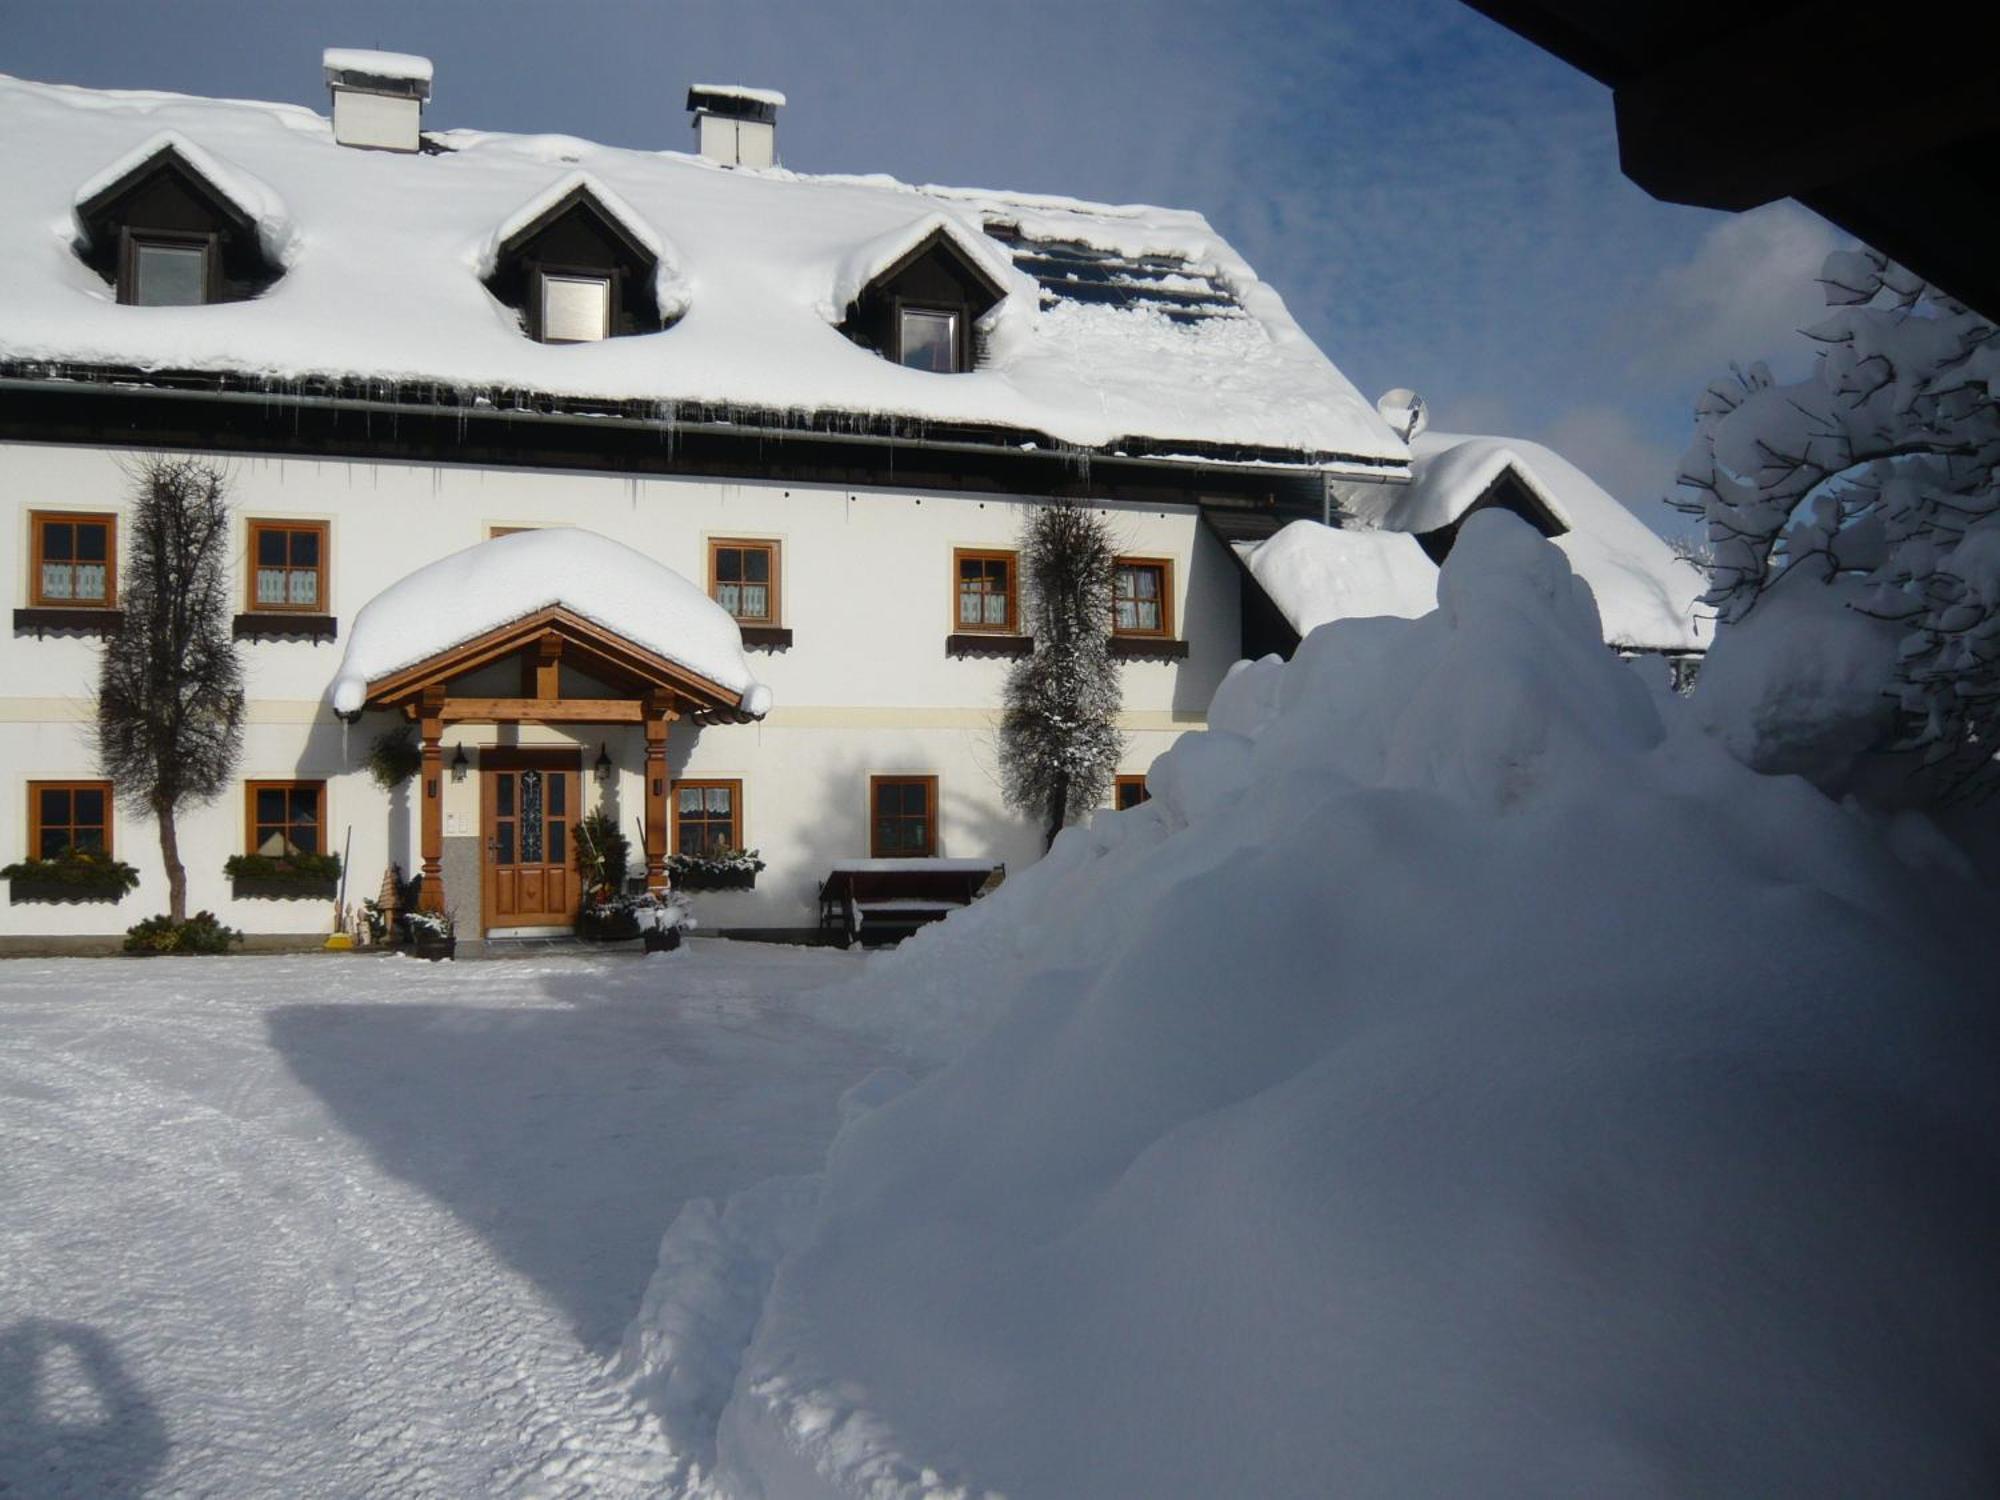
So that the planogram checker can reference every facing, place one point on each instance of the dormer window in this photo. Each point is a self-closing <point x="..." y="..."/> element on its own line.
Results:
<point x="575" y="309"/>
<point x="918" y="312"/>
<point x="927" y="339"/>
<point x="165" y="235"/>
<point x="164" y="272"/>
<point x="578" y="267"/>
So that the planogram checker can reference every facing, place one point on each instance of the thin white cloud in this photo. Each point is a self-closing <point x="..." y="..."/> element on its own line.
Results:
<point x="1631" y="463"/>
<point x="1744" y="295"/>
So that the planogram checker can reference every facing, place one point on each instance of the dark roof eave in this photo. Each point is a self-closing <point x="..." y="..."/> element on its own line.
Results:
<point x="888" y="430"/>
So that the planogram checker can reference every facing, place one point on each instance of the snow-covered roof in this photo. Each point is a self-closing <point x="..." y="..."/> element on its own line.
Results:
<point x="1316" y="573"/>
<point x="382" y="283"/>
<point x="1645" y="594"/>
<point x="470" y="593"/>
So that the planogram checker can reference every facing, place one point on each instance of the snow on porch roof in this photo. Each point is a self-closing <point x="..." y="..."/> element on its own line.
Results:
<point x="381" y="284"/>
<point x="485" y="587"/>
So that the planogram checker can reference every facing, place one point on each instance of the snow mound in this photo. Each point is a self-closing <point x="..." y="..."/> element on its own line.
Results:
<point x="463" y="596"/>
<point x="1458" y="1079"/>
<point x="1316" y="574"/>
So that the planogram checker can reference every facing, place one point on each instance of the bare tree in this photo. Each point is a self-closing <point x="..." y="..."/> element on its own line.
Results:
<point x="170" y="694"/>
<point x="1059" y="739"/>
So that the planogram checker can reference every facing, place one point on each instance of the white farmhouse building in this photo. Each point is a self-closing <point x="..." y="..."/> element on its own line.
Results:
<point x="774" y="436"/>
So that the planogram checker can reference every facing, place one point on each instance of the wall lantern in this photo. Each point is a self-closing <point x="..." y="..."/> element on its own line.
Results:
<point x="603" y="766"/>
<point x="459" y="764"/>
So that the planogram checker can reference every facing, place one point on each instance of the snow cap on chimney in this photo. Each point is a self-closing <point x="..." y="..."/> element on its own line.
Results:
<point x="378" y="97"/>
<point x="734" y="125"/>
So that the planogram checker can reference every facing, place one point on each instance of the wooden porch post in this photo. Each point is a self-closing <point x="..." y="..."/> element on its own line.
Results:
<point x="430" y="894"/>
<point x="660" y="716"/>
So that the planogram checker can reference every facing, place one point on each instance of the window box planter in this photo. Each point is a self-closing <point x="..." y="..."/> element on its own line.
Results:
<point x="734" y="871"/>
<point x="294" y="877"/>
<point x="979" y="643"/>
<point x="68" y="621"/>
<point x="435" y="949"/>
<point x="285" y="887"/>
<point x="282" y="626"/>
<point x="713" y="880"/>
<point x="80" y="876"/>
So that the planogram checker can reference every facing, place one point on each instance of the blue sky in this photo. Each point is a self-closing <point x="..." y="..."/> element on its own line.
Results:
<point x="1438" y="202"/>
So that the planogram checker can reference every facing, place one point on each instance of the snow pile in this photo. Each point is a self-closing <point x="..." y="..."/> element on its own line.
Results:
<point x="1316" y="574"/>
<point x="1456" y="1080"/>
<point x="463" y="596"/>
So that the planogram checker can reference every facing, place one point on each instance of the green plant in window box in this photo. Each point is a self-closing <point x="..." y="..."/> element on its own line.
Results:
<point x="73" y="875"/>
<point x="201" y="933"/>
<point x="281" y="876"/>
<point x="715" y="870"/>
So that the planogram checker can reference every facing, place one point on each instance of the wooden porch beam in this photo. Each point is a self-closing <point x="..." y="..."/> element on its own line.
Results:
<point x="430" y="892"/>
<point x="543" y="710"/>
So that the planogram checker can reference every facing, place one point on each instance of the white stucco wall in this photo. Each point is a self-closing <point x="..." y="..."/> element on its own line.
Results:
<point x="865" y="688"/>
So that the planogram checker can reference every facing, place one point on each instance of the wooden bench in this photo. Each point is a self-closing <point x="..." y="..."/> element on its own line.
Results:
<point x="885" y="900"/>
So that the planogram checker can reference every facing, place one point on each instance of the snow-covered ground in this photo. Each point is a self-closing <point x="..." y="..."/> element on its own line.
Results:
<point x="321" y="1226"/>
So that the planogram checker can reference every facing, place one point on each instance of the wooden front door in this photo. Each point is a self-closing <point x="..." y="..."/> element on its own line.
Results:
<point x="528" y="805"/>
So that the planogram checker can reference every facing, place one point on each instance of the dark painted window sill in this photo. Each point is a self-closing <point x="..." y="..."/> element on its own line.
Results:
<point x="766" y="637"/>
<point x="1148" y="648"/>
<point x="65" y="621"/>
<point x="973" y="643"/>
<point x="279" y="627"/>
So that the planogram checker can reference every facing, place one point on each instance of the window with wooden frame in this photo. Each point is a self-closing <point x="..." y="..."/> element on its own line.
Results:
<point x="75" y="559"/>
<point x="902" y="817"/>
<point x="1142" y="596"/>
<point x="288" y="566"/>
<point x="743" y="579"/>
<point x="64" y="815"/>
<point x="285" y="817"/>
<point x="1129" y="791"/>
<point x="708" y="817"/>
<point x="166" y="270"/>
<point x="984" y="592"/>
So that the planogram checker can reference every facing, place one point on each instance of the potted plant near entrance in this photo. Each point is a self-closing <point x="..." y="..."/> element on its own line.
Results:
<point x="433" y="935"/>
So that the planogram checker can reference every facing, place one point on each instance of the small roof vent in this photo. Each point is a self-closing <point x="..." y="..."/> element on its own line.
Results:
<point x="378" y="97"/>
<point x="736" y="126"/>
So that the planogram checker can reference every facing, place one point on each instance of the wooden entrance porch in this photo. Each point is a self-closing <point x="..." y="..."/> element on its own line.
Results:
<point x="628" y="684"/>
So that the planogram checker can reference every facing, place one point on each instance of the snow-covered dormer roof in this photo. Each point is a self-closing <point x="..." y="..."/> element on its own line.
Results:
<point x="486" y="587"/>
<point x="1123" y="328"/>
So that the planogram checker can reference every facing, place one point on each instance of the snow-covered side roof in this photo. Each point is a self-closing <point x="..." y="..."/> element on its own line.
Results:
<point x="464" y="596"/>
<point x="1316" y="574"/>
<point x="384" y="287"/>
<point x="1645" y="594"/>
<point x="369" y="63"/>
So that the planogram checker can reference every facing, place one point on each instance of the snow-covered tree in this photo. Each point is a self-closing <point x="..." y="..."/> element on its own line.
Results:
<point x="1059" y="739"/>
<point x="1862" y="505"/>
<point x="170" y="694"/>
